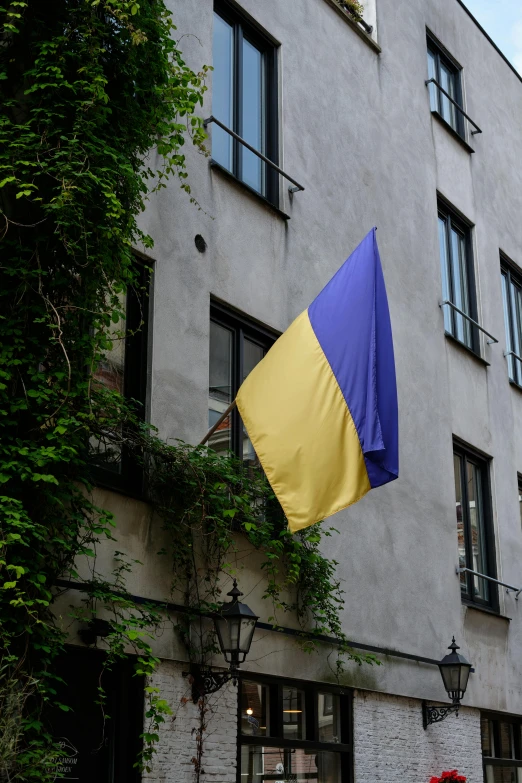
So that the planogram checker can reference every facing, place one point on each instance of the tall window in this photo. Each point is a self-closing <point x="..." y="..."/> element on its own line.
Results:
<point x="244" y="98"/>
<point x="472" y="502"/>
<point x="236" y="346"/>
<point x="457" y="278"/>
<point x="520" y="497"/>
<point x="501" y="748"/>
<point x="290" y="731"/>
<point x="124" y="369"/>
<point x="512" y="298"/>
<point x="447" y="74"/>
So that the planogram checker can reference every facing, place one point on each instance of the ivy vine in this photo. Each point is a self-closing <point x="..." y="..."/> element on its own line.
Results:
<point x="87" y="88"/>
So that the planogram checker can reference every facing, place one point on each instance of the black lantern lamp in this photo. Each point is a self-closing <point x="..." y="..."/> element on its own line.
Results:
<point x="234" y="624"/>
<point x="454" y="670"/>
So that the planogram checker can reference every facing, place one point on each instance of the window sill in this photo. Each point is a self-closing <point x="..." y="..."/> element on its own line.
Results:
<point x="452" y="131"/>
<point x="355" y="27"/>
<point x="468" y="351"/>
<point x="515" y="385"/>
<point x="486" y="610"/>
<point x="215" y="166"/>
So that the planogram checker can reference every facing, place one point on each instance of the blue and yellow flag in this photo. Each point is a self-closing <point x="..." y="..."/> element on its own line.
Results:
<point x="321" y="407"/>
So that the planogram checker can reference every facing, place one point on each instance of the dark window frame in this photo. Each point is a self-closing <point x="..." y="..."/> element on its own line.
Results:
<point x="513" y="277"/>
<point x="467" y="454"/>
<point x="442" y="56"/>
<point x="125" y="693"/>
<point x="276" y="739"/>
<point x="500" y="761"/>
<point x="243" y="28"/>
<point x="455" y="220"/>
<point x="130" y="478"/>
<point x="241" y="326"/>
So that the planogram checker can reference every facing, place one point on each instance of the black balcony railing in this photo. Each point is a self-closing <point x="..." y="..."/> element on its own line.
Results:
<point x="455" y="104"/>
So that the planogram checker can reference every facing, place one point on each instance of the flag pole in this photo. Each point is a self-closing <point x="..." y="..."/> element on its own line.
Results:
<point x="218" y="422"/>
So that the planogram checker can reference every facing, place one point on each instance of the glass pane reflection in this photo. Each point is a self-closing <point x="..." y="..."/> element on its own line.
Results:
<point x="328" y="716"/>
<point x="252" y="355"/>
<point x="293" y="714"/>
<point x="110" y="373"/>
<point x="220" y="385"/>
<point x="476" y="515"/>
<point x="289" y="764"/>
<point x="254" y="709"/>
<point x="222" y="91"/>
<point x="503" y="774"/>
<point x="460" y="522"/>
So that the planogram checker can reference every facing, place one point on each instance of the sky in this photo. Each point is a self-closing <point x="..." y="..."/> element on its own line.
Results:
<point x="502" y="20"/>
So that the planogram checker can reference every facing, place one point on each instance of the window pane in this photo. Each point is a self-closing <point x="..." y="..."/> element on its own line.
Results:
<point x="289" y="764"/>
<point x="506" y="740"/>
<point x="252" y="355"/>
<point x="459" y="278"/>
<point x="457" y="465"/>
<point x="486" y="734"/>
<point x="448" y="83"/>
<point x="293" y="714"/>
<point x="478" y="538"/>
<point x="444" y="266"/>
<point x="520" y="500"/>
<point x="328" y="712"/>
<point x="508" y="325"/>
<point x="222" y="90"/>
<point x="516" y="309"/>
<point x="110" y="373"/>
<point x="254" y="709"/>
<point x="253" y="111"/>
<point x="503" y="774"/>
<point x="432" y="74"/>
<point x="220" y="385"/>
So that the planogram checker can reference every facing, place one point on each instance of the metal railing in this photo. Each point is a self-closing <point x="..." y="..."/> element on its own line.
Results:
<point x="470" y="319"/>
<point x="260" y="155"/>
<point x="457" y="105"/>
<point x="509" y="588"/>
<point x="512" y="353"/>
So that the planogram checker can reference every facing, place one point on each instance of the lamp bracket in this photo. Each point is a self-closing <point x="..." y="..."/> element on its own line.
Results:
<point x="436" y="714"/>
<point x="206" y="681"/>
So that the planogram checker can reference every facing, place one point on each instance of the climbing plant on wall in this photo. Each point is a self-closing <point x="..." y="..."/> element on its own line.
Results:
<point x="87" y="88"/>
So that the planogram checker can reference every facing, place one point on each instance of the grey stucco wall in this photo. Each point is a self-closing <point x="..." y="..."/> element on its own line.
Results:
<point x="356" y="130"/>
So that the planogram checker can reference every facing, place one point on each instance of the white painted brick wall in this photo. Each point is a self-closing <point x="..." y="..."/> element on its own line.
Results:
<point x="172" y="763"/>
<point x="390" y="744"/>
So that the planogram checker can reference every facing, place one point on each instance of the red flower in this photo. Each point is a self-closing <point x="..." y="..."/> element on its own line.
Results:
<point x="449" y="775"/>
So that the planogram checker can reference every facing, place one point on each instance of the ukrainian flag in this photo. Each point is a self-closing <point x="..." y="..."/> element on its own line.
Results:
<point x="321" y="407"/>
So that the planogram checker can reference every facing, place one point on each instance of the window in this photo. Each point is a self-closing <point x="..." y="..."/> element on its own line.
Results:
<point x="520" y="497"/>
<point x="457" y="278"/>
<point x="244" y="98"/>
<point x="92" y="747"/>
<point x="297" y="732"/>
<point x="236" y="346"/>
<point x="446" y="73"/>
<point x="472" y="500"/>
<point x="512" y="299"/>
<point x="501" y="748"/>
<point x="124" y="369"/>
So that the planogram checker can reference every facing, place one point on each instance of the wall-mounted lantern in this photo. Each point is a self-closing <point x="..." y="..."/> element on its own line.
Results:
<point x="454" y="670"/>
<point x="234" y="624"/>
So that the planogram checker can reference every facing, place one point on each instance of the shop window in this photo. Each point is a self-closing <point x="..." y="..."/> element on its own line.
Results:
<point x="501" y="748"/>
<point x="294" y="731"/>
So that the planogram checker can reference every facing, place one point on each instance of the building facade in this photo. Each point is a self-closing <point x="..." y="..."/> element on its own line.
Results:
<point x="411" y="122"/>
